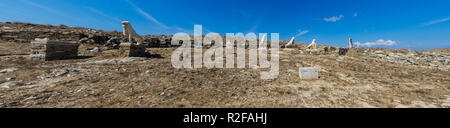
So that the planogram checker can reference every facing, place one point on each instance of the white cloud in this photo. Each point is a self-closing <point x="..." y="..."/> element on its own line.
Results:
<point x="148" y="16"/>
<point x="355" y="14"/>
<point x="300" y="33"/>
<point x="334" y="18"/>
<point x="437" y="21"/>
<point x="379" y="42"/>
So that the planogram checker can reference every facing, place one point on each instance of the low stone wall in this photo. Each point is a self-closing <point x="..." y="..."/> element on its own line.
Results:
<point x="132" y="50"/>
<point x="45" y="49"/>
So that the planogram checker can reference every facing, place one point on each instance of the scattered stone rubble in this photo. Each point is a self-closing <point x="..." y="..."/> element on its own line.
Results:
<point x="412" y="58"/>
<point x="26" y="32"/>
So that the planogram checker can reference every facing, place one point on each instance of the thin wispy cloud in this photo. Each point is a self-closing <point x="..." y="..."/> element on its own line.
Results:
<point x="355" y="14"/>
<point x="379" y="42"/>
<point x="334" y="18"/>
<point x="301" y="32"/>
<point x="253" y="28"/>
<point x="164" y="29"/>
<point x="437" y="21"/>
<point x="207" y="30"/>
<point x="43" y="7"/>
<point x="98" y="12"/>
<point x="145" y="14"/>
<point x="113" y="22"/>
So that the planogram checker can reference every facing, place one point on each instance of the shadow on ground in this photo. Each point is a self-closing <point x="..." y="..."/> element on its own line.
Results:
<point x="84" y="57"/>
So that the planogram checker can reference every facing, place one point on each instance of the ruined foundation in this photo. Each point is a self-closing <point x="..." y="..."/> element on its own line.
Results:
<point x="132" y="50"/>
<point x="45" y="49"/>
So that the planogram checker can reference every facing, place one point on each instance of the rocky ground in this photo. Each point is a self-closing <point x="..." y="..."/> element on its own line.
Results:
<point x="358" y="77"/>
<point x="362" y="78"/>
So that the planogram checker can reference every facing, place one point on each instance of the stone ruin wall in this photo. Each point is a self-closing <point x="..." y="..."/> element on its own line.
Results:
<point x="26" y="32"/>
<point x="44" y="49"/>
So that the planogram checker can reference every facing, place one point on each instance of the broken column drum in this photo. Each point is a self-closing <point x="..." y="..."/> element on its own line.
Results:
<point x="45" y="49"/>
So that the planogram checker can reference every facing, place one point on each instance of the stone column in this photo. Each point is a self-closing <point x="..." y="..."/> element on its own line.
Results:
<point x="350" y="43"/>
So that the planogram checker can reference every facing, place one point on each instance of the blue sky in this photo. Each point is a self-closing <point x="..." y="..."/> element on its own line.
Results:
<point x="415" y="24"/>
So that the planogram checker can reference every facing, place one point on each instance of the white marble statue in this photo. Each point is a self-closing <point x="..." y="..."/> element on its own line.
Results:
<point x="313" y="44"/>
<point x="291" y="43"/>
<point x="129" y="31"/>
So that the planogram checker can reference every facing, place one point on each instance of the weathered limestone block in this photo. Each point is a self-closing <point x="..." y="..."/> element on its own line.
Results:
<point x="308" y="73"/>
<point x="45" y="49"/>
<point x="132" y="50"/>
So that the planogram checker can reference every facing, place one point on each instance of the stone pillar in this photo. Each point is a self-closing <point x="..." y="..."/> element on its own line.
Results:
<point x="350" y="43"/>
<point x="45" y="49"/>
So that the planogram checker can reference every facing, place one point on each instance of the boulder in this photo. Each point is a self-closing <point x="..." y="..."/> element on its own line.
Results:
<point x="113" y="43"/>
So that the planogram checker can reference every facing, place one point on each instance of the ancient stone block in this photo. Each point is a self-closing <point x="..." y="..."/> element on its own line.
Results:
<point x="342" y="51"/>
<point x="313" y="51"/>
<point x="308" y="73"/>
<point x="132" y="50"/>
<point x="45" y="49"/>
<point x="329" y="50"/>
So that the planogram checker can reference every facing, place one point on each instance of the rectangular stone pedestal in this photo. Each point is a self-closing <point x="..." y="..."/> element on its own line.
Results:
<point x="45" y="49"/>
<point x="132" y="50"/>
<point x="308" y="73"/>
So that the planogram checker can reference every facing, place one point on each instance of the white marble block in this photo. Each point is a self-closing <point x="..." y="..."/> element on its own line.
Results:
<point x="308" y="73"/>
